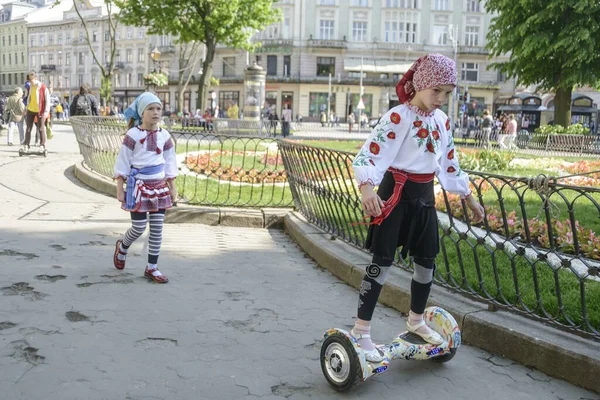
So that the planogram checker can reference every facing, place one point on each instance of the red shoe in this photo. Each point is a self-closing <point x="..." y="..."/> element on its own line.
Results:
<point x="158" y="278"/>
<point x="119" y="264"/>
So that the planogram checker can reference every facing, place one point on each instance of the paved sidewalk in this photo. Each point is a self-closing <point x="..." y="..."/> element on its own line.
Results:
<point x="242" y="317"/>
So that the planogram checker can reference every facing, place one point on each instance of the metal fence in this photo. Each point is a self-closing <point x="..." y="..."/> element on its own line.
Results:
<point x="218" y="169"/>
<point x="535" y="253"/>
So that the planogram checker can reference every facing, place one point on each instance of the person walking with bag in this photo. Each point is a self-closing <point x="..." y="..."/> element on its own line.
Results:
<point x="147" y="163"/>
<point x="14" y="111"/>
<point x="38" y="110"/>
<point x="408" y="148"/>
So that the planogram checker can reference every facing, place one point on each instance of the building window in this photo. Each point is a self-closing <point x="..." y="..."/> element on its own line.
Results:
<point x="68" y="38"/>
<point x="325" y="66"/>
<point x="94" y="36"/>
<point x="287" y="65"/>
<point x="31" y="41"/>
<point x="68" y="59"/>
<point x="501" y="76"/>
<point x="42" y="60"/>
<point x="402" y="3"/>
<point x="42" y="40"/>
<point x="94" y="80"/>
<point x="59" y="58"/>
<point x="10" y="79"/>
<point x="59" y="39"/>
<point x="141" y="55"/>
<point x="80" y="79"/>
<point x="118" y="80"/>
<point x="106" y="36"/>
<point x="129" y="55"/>
<point x="9" y="59"/>
<point x="400" y="27"/>
<point x="9" y="40"/>
<point x="140" y="33"/>
<point x="22" y="39"/>
<point x="473" y="6"/>
<point x="67" y="82"/>
<point x="228" y="66"/>
<point x="441" y="5"/>
<point x="359" y="31"/>
<point x="140" y="80"/>
<point x="286" y="29"/>
<point x="81" y="58"/>
<point x="470" y="72"/>
<point x="472" y="36"/>
<point x="440" y="35"/>
<point x="51" y="59"/>
<point x="117" y="56"/>
<point x="50" y="40"/>
<point x="226" y="99"/>
<point x="318" y="103"/>
<point x="272" y="65"/>
<point x="259" y="60"/>
<point x="360" y="3"/>
<point x="22" y="58"/>
<point x="127" y="80"/>
<point x="129" y="33"/>
<point x="60" y="82"/>
<point x="326" y="27"/>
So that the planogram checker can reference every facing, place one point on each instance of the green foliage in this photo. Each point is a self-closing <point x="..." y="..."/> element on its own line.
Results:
<point x="105" y="88"/>
<point x="575" y="129"/>
<point x="230" y="23"/>
<point x="551" y="43"/>
<point x="156" y="79"/>
<point x="485" y="160"/>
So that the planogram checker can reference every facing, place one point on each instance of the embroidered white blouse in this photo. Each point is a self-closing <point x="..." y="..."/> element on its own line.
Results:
<point x="408" y="139"/>
<point x="142" y="148"/>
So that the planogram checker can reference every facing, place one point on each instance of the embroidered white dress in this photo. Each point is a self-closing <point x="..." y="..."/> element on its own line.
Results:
<point x="142" y="148"/>
<point x="414" y="141"/>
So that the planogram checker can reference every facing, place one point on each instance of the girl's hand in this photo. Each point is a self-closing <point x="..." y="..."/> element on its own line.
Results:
<point x="478" y="211"/>
<point x="371" y="202"/>
<point x="120" y="194"/>
<point x="174" y="194"/>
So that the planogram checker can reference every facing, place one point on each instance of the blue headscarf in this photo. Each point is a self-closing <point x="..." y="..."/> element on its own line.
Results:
<point x="136" y="109"/>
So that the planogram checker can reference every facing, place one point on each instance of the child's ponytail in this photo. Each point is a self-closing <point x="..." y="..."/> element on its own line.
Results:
<point x="131" y="123"/>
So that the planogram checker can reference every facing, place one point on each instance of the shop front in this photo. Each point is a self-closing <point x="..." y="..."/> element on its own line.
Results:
<point x="524" y="106"/>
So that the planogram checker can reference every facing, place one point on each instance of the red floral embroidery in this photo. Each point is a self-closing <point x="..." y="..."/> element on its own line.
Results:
<point x="418" y="123"/>
<point x="451" y="169"/>
<point x="372" y="162"/>
<point x="374" y="148"/>
<point x="423" y="133"/>
<point x="142" y="140"/>
<point x="129" y="142"/>
<point x="447" y="124"/>
<point x="391" y="135"/>
<point x="395" y="118"/>
<point x="451" y="154"/>
<point x="430" y="147"/>
<point x="436" y="135"/>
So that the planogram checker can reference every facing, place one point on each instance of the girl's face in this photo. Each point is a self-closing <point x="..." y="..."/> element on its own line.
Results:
<point x="432" y="98"/>
<point x="151" y="115"/>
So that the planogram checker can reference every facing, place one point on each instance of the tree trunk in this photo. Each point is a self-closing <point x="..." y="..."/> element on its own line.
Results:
<point x="562" y="106"/>
<point x="204" y="84"/>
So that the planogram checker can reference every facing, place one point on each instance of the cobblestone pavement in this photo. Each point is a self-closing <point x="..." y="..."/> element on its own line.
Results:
<point x="241" y="318"/>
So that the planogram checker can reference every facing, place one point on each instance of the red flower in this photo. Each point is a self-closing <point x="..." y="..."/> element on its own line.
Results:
<point x="371" y="161"/>
<point x="418" y="123"/>
<point x="430" y="147"/>
<point x="436" y="135"/>
<point x="374" y="148"/>
<point x="391" y="135"/>
<point x="451" y="169"/>
<point x="423" y="133"/>
<point x="448" y="124"/>
<point x="451" y="154"/>
<point x="395" y="118"/>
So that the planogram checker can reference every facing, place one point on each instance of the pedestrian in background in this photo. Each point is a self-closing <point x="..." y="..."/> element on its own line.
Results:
<point x="286" y="120"/>
<point x="14" y="111"/>
<point x="38" y="110"/>
<point x="147" y="163"/>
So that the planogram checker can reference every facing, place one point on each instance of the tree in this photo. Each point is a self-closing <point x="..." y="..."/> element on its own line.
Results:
<point x="554" y="44"/>
<point x="230" y="23"/>
<point x="189" y="55"/>
<point x="108" y="69"/>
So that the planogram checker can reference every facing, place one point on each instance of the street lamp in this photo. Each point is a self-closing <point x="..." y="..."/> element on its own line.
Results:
<point x="453" y="108"/>
<point x="155" y="56"/>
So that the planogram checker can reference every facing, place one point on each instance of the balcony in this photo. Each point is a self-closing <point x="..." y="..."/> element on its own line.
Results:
<point x="473" y="50"/>
<point x="325" y="43"/>
<point x="116" y="65"/>
<point x="398" y="46"/>
<point x="48" y="67"/>
<point x="275" y="42"/>
<point x="166" y="49"/>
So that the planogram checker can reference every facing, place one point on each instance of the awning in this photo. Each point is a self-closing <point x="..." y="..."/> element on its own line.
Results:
<point x="376" y="66"/>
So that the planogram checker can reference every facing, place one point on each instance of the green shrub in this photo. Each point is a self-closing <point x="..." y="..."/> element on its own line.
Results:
<point x="575" y="129"/>
<point x="485" y="160"/>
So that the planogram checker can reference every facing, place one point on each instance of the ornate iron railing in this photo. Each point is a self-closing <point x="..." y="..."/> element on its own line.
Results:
<point x="536" y="252"/>
<point x="215" y="169"/>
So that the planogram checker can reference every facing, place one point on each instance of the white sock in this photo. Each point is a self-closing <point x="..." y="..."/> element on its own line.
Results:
<point x="365" y="343"/>
<point x="154" y="267"/>
<point x="120" y="256"/>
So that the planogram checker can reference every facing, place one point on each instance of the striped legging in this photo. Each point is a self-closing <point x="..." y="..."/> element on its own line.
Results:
<point x="138" y="226"/>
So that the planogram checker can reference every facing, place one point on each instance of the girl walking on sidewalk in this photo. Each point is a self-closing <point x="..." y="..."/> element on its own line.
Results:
<point x="147" y="163"/>
<point x="410" y="145"/>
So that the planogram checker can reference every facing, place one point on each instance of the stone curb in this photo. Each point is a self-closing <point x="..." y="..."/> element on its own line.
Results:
<point x="225" y="216"/>
<point x="523" y="340"/>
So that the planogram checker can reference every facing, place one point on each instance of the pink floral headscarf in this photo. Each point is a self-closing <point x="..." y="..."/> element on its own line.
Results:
<point x="427" y="72"/>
